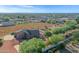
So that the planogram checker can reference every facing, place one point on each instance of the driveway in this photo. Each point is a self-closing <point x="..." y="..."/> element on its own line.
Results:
<point x="8" y="46"/>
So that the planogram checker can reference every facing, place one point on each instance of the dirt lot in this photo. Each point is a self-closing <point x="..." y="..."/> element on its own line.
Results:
<point x="8" y="46"/>
<point x="7" y="30"/>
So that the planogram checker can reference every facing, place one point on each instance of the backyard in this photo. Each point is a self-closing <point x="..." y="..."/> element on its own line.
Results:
<point x="10" y="29"/>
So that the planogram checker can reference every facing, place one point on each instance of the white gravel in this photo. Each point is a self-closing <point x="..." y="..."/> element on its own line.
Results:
<point x="8" y="37"/>
<point x="17" y="47"/>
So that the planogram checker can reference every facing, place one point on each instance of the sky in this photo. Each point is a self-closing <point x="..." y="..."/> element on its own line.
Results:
<point x="39" y="8"/>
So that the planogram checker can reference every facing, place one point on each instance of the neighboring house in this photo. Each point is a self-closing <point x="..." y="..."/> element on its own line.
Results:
<point x="34" y="21"/>
<point x="1" y="20"/>
<point x="17" y="20"/>
<point x="4" y="24"/>
<point x="61" y="20"/>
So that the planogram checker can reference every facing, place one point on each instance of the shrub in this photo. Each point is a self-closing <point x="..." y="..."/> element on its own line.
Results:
<point x="69" y="25"/>
<point x="77" y="26"/>
<point x="70" y="22"/>
<point x="59" y="30"/>
<point x="43" y="21"/>
<point x="1" y="42"/>
<point x="33" y="45"/>
<point x="47" y="33"/>
<point x="56" y="30"/>
<point x="12" y="33"/>
<point x="51" y="21"/>
<point x="74" y="42"/>
<point x="77" y="19"/>
<point x="66" y="28"/>
<point x="54" y="39"/>
<point x="75" y="37"/>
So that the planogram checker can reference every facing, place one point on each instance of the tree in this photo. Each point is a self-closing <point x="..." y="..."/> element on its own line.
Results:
<point x="1" y="42"/>
<point x="70" y="22"/>
<point x="77" y="19"/>
<point x="75" y="37"/>
<point x="32" y="46"/>
<point x="54" y="39"/>
<point x="43" y="21"/>
<point x="6" y="18"/>
<point x="48" y="34"/>
<point x="58" y="30"/>
<point x="18" y="16"/>
<point x="51" y="21"/>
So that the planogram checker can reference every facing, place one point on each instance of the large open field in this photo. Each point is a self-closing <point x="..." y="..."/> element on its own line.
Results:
<point x="7" y="30"/>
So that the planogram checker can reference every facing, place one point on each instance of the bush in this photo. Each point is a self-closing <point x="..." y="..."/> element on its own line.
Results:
<point x="43" y="21"/>
<point x="59" y="30"/>
<point x="77" y="26"/>
<point x="51" y="21"/>
<point x="74" y="42"/>
<point x="66" y="28"/>
<point x="12" y="33"/>
<point x="54" y="39"/>
<point x="1" y="42"/>
<point x="77" y="19"/>
<point x="75" y="37"/>
<point x="47" y="33"/>
<point x="56" y="30"/>
<point x="69" y="25"/>
<point x="32" y="46"/>
<point x="70" y="22"/>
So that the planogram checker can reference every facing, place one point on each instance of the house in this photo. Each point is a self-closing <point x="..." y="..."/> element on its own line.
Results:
<point x="34" y="21"/>
<point x="4" y="24"/>
<point x="1" y="20"/>
<point x="26" y="34"/>
<point x="18" y="21"/>
<point x="61" y="20"/>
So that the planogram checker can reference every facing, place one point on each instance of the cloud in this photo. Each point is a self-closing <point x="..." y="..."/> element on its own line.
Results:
<point x="24" y="6"/>
<point x="21" y="9"/>
<point x="24" y="9"/>
<point x="27" y="6"/>
<point x="14" y="8"/>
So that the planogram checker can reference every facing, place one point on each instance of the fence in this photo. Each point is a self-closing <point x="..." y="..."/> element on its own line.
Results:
<point x="57" y="46"/>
